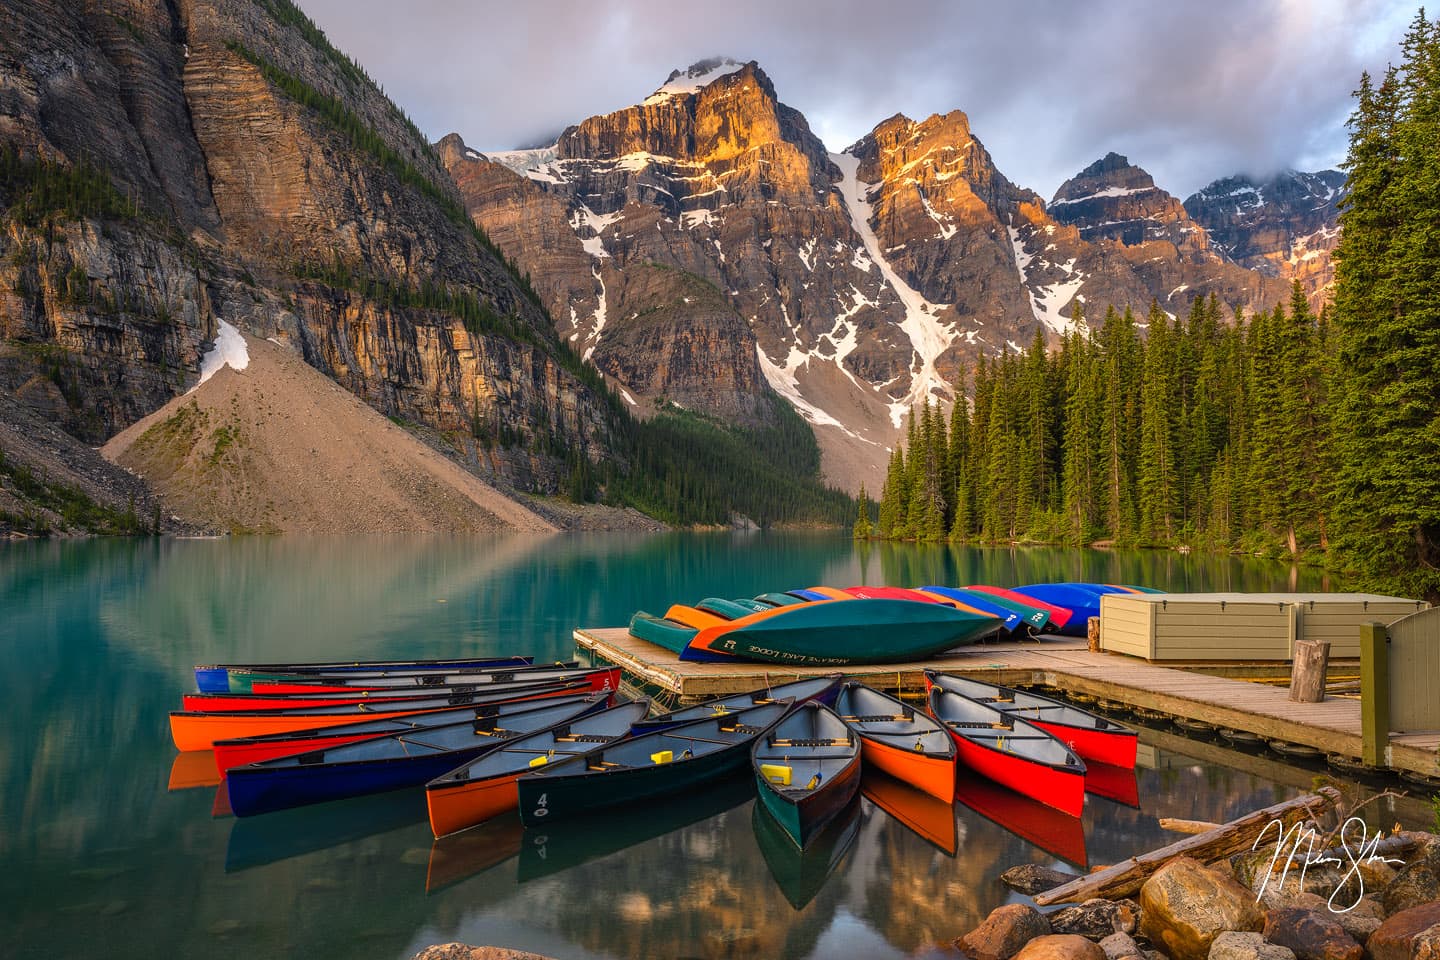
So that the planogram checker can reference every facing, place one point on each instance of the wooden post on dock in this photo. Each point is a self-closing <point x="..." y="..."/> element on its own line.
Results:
<point x="1374" y="693"/>
<point x="1307" y="672"/>
<point x="1092" y="634"/>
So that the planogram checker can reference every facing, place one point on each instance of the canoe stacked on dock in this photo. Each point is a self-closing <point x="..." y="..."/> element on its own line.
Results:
<point x="825" y="627"/>
<point x="866" y="624"/>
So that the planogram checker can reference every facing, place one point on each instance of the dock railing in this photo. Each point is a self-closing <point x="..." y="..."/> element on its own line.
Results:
<point x="1399" y="677"/>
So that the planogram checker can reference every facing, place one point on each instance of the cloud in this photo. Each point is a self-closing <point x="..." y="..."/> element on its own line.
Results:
<point x="1190" y="91"/>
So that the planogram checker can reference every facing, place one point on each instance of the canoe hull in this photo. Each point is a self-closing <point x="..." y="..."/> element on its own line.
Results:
<point x="932" y="774"/>
<point x="259" y="790"/>
<point x="457" y="808"/>
<point x="805" y="819"/>
<point x="1062" y="789"/>
<point x="238" y="677"/>
<point x="837" y="633"/>
<point x="1117" y="748"/>
<point x="545" y="800"/>
<point x="200" y="731"/>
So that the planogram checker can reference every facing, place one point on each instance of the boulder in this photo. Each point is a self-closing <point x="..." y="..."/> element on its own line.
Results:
<point x="1312" y="935"/>
<point x="1061" y="946"/>
<point x="1234" y="945"/>
<point x="1184" y="906"/>
<point x="1411" y="934"/>
<point x="1121" y="946"/>
<point x="1096" y="919"/>
<point x="1361" y="920"/>
<point x="1031" y="878"/>
<point x="463" y="951"/>
<point x="1002" y="934"/>
<point x="1417" y="882"/>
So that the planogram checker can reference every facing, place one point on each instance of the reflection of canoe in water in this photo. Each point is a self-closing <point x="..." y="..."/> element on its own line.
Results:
<point x="564" y="844"/>
<point x="1112" y="783"/>
<point x="932" y="819"/>
<point x="800" y="875"/>
<point x="193" y="768"/>
<point x="462" y="855"/>
<point x="1054" y="832"/>
<point x="255" y="841"/>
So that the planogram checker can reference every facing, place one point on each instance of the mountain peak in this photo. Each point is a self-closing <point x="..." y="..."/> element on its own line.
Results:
<point x="1111" y="175"/>
<point x="696" y="77"/>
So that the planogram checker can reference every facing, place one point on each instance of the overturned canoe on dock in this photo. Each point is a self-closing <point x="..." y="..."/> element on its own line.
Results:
<point x="808" y="770"/>
<point x="629" y="771"/>
<point x="841" y="632"/>
<point x="1091" y="737"/>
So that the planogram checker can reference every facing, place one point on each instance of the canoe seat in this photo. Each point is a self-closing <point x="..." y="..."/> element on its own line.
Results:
<point x="740" y="728"/>
<point x="879" y="718"/>
<point x="584" y="738"/>
<point x="494" y="732"/>
<point x="810" y="742"/>
<point x="978" y="725"/>
<point x="604" y="765"/>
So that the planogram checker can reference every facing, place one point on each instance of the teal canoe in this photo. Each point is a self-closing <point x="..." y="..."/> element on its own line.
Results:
<point x="677" y="760"/>
<point x="838" y="633"/>
<point x="807" y="770"/>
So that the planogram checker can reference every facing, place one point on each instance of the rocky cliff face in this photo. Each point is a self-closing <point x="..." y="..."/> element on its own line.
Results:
<point x="259" y="176"/>
<point x="1283" y="227"/>
<point x="863" y="278"/>
<point x="1117" y="207"/>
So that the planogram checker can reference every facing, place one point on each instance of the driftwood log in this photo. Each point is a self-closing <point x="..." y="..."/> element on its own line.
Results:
<point x="1177" y="825"/>
<point x="1125" y="879"/>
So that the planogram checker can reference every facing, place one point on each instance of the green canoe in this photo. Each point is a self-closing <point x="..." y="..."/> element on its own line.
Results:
<point x="845" y="632"/>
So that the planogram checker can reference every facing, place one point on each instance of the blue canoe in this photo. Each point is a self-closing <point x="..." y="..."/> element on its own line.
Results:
<point x="386" y="763"/>
<point x="978" y="600"/>
<point x="1083" y="599"/>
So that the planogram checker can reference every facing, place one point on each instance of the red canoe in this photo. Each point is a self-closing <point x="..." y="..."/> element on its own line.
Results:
<point x="1092" y="737"/>
<point x="200" y="731"/>
<point x="1059" y="616"/>
<point x="243" y="750"/>
<point x="1012" y="752"/>
<point x="599" y="679"/>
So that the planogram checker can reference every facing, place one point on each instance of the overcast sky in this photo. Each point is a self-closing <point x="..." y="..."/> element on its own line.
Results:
<point x="1189" y="89"/>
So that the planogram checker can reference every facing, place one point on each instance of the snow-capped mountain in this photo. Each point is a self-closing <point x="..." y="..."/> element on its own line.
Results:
<point x="702" y="245"/>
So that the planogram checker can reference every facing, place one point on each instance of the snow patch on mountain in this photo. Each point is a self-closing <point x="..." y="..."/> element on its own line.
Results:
<point x="1047" y="301"/>
<point x="1107" y="192"/>
<point x="783" y="381"/>
<point x="928" y="335"/>
<point x="693" y="79"/>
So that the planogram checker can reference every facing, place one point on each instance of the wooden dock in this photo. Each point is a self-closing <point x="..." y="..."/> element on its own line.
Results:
<point x="1332" y="726"/>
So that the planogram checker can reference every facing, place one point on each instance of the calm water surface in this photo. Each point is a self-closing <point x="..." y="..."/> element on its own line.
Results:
<point x="107" y="849"/>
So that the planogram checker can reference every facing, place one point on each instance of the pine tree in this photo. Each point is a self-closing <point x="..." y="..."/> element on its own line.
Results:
<point x="1387" y="325"/>
<point x="1081" y="445"/>
<point x="1122" y="401"/>
<point x="862" y="529"/>
<point x="1157" y="447"/>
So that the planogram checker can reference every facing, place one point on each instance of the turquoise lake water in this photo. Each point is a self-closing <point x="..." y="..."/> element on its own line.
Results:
<point x="104" y="850"/>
